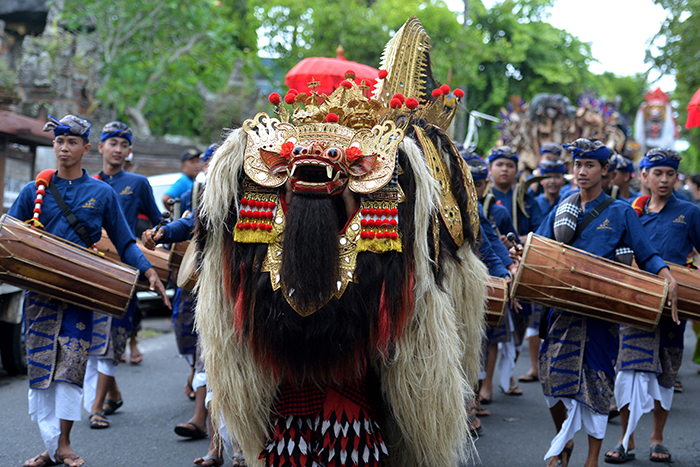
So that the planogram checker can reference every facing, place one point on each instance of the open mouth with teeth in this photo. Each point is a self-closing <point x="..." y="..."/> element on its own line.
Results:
<point x="315" y="175"/>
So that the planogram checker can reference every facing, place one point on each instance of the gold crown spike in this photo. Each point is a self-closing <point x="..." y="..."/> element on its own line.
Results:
<point x="265" y="134"/>
<point x="404" y="59"/>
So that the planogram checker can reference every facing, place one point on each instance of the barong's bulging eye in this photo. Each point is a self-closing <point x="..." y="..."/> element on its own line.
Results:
<point x="297" y="150"/>
<point x="334" y="154"/>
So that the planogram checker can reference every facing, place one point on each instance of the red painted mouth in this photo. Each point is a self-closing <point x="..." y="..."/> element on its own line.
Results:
<point x="310" y="174"/>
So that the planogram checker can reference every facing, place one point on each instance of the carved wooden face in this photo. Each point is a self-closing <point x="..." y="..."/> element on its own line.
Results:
<point x="319" y="168"/>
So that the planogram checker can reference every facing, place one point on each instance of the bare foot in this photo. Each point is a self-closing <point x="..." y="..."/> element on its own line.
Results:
<point x="136" y="355"/>
<point x="237" y="457"/>
<point x="71" y="459"/>
<point x="210" y="460"/>
<point x="41" y="460"/>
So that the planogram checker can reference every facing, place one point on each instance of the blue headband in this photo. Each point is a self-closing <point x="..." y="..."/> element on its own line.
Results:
<point x="662" y="158"/>
<point x="552" y="167"/>
<point x="584" y="148"/>
<point x="116" y="130"/>
<point x="618" y="162"/>
<point x="478" y="168"/>
<point x="552" y="148"/>
<point x="503" y="152"/>
<point x="68" y="125"/>
<point x="210" y="152"/>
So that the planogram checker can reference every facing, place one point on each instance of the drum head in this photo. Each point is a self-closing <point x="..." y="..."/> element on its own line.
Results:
<point x="188" y="266"/>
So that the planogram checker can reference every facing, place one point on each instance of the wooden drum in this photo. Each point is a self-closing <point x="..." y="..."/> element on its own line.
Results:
<point x="158" y="257"/>
<point x="177" y="252"/>
<point x="496" y="305"/>
<point x="189" y="272"/>
<point x="559" y="276"/>
<point x="688" y="292"/>
<point x="40" y="262"/>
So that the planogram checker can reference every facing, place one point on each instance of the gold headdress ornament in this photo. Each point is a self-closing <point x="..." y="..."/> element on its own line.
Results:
<point x="349" y="136"/>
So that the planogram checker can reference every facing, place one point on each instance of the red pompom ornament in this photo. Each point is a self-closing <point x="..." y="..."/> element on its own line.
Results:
<point x="382" y="74"/>
<point x="346" y="84"/>
<point x="395" y="103"/>
<point x="286" y="150"/>
<point x="293" y="91"/>
<point x="437" y="92"/>
<point x="399" y="97"/>
<point x="289" y="98"/>
<point x="349" y="74"/>
<point x="445" y="89"/>
<point x="353" y="153"/>
<point x="458" y="93"/>
<point x="411" y="103"/>
<point x="274" y="98"/>
<point x="332" y="118"/>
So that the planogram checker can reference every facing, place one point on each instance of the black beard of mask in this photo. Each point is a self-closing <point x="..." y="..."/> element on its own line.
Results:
<point x="310" y="254"/>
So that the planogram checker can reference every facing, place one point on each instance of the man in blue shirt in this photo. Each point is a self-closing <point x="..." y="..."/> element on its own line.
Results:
<point x="622" y="172"/>
<point x="102" y="395"/>
<point x="649" y="360"/>
<point x="191" y="166"/>
<point x="58" y="334"/>
<point x="503" y="166"/>
<point x="578" y="356"/>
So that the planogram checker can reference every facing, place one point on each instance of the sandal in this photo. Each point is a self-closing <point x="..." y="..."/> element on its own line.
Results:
<point x="111" y="406"/>
<point x="567" y="450"/>
<point x="204" y="461"/>
<point x="622" y="455"/>
<point x="185" y="431"/>
<point x="659" y="449"/>
<point x="98" y="423"/>
<point x="238" y="460"/>
<point x="485" y="400"/>
<point x="514" y="391"/>
<point x="528" y="378"/>
<point x="677" y="386"/>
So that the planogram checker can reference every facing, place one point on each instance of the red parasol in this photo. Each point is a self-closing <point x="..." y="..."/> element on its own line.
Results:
<point x="329" y="72"/>
<point x="693" y="111"/>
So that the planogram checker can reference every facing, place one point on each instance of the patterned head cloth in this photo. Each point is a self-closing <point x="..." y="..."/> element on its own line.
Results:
<point x="477" y="166"/>
<point x="68" y="125"/>
<point x="210" y="152"/>
<point x="552" y="167"/>
<point x="660" y="157"/>
<point x="584" y="148"/>
<point x="551" y="148"/>
<point x="618" y="162"/>
<point x="503" y="152"/>
<point x="116" y="130"/>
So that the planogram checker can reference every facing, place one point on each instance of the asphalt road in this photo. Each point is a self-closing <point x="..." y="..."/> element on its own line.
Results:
<point x="517" y="433"/>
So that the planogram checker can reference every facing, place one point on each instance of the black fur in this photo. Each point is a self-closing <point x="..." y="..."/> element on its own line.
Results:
<point x="310" y="255"/>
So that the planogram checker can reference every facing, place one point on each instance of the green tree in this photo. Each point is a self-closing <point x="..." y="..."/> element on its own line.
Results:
<point x="155" y="53"/>
<point x="674" y="51"/>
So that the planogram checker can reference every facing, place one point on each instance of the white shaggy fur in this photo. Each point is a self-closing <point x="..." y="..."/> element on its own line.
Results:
<point x="426" y="384"/>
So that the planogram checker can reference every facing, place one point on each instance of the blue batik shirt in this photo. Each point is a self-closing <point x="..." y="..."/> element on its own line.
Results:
<point x="500" y="219"/>
<point x="674" y="230"/>
<point x="525" y="224"/>
<point x="492" y="251"/>
<point x="544" y="205"/>
<point x="94" y="204"/>
<point x="135" y="196"/>
<point x="617" y="224"/>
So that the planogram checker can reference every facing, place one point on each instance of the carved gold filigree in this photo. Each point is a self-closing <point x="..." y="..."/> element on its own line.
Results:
<point x="449" y="209"/>
<point x="382" y="140"/>
<point x="404" y="59"/>
<point x="266" y="133"/>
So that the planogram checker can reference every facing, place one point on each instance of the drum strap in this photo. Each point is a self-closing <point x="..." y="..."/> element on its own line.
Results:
<point x="595" y="212"/>
<point x="72" y="220"/>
